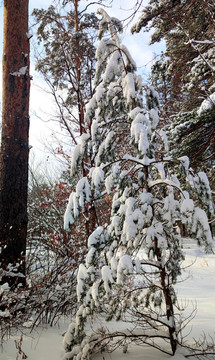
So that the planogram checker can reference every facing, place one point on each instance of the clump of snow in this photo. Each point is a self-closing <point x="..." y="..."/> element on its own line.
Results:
<point x="90" y="109"/>
<point x="207" y="104"/>
<point x="153" y="113"/>
<point x="4" y="287"/>
<point x="29" y="35"/>
<point x="140" y="131"/>
<point x="94" y="130"/>
<point x="129" y="87"/>
<point x="29" y="323"/>
<point x="97" y="176"/>
<point x="76" y="201"/>
<point x="99" y="95"/>
<point x="95" y="236"/>
<point x="21" y="72"/>
<point x="111" y="179"/>
<point x="75" y="158"/>
<point x="185" y="161"/>
<point x="83" y="192"/>
<point x="68" y="217"/>
<point x="187" y="207"/>
<point x="109" y="139"/>
<point x="125" y="266"/>
<point x="5" y="314"/>
<point x="84" y="138"/>
<point x="161" y="171"/>
<point x="81" y="278"/>
<point x="107" y="278"/>
<point x="112" y="68"/>
<point x="95" y="292"/>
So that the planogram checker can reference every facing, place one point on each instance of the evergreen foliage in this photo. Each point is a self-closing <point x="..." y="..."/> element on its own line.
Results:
<point x="133" y="262"/>
<point x="194" y="131"/>
<point x="189" y="53"/>
<point x="68" y="62"/>
<point x="184" y="75"/>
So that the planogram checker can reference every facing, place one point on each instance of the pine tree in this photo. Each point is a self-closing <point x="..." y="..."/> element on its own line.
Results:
<point x="14" y="143"/>
<point x="68" y="62"/>
<point x="68" y="67"/>
<point x="188" y="30"/>
<point x="195" y="133"/>
<point x="133" y="262"/>
<point x="184" y="74"/>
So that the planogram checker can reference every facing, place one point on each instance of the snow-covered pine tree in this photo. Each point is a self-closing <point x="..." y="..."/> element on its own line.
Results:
<point x="133" y="263"/>
<point x="194" y="132"/>
<point x="189" y="47"/>
<point x="184" y="74"/>
<point x="103" y="129"/>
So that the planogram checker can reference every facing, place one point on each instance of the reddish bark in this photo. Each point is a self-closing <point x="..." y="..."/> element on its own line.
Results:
<point x="14" y="145"/>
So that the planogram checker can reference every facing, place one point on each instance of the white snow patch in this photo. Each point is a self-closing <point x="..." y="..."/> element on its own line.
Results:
<point x="22" y="71"/>
<point x="207" y="104"/>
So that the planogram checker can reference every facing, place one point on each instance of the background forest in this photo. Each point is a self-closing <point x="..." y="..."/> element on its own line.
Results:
<point x="109" y="230"/>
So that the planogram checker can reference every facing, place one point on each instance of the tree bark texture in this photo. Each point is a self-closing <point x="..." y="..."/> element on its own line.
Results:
<point x="14" y="142"/>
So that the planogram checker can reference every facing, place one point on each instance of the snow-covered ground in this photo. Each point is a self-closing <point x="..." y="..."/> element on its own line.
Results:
<point x="199" y="288"/>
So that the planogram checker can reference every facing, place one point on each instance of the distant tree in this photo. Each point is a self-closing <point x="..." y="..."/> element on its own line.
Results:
<point x="46" y="205"/>
<point x="134" y="261"/>
<point x="184" y="75"/>
<point x="194" y="133"/>
<point x="68" y="62"/>
<point x="14" y="143"/>
<point x="68" y="66"/>
<point x="188" y="30"/>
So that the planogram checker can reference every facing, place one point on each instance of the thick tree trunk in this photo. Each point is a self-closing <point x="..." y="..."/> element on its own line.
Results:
<point x="14" y="145"/>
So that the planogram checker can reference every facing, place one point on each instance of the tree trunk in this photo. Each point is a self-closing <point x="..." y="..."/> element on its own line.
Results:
<point x="166" y="289"/>
<point x="14" y="145"/>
